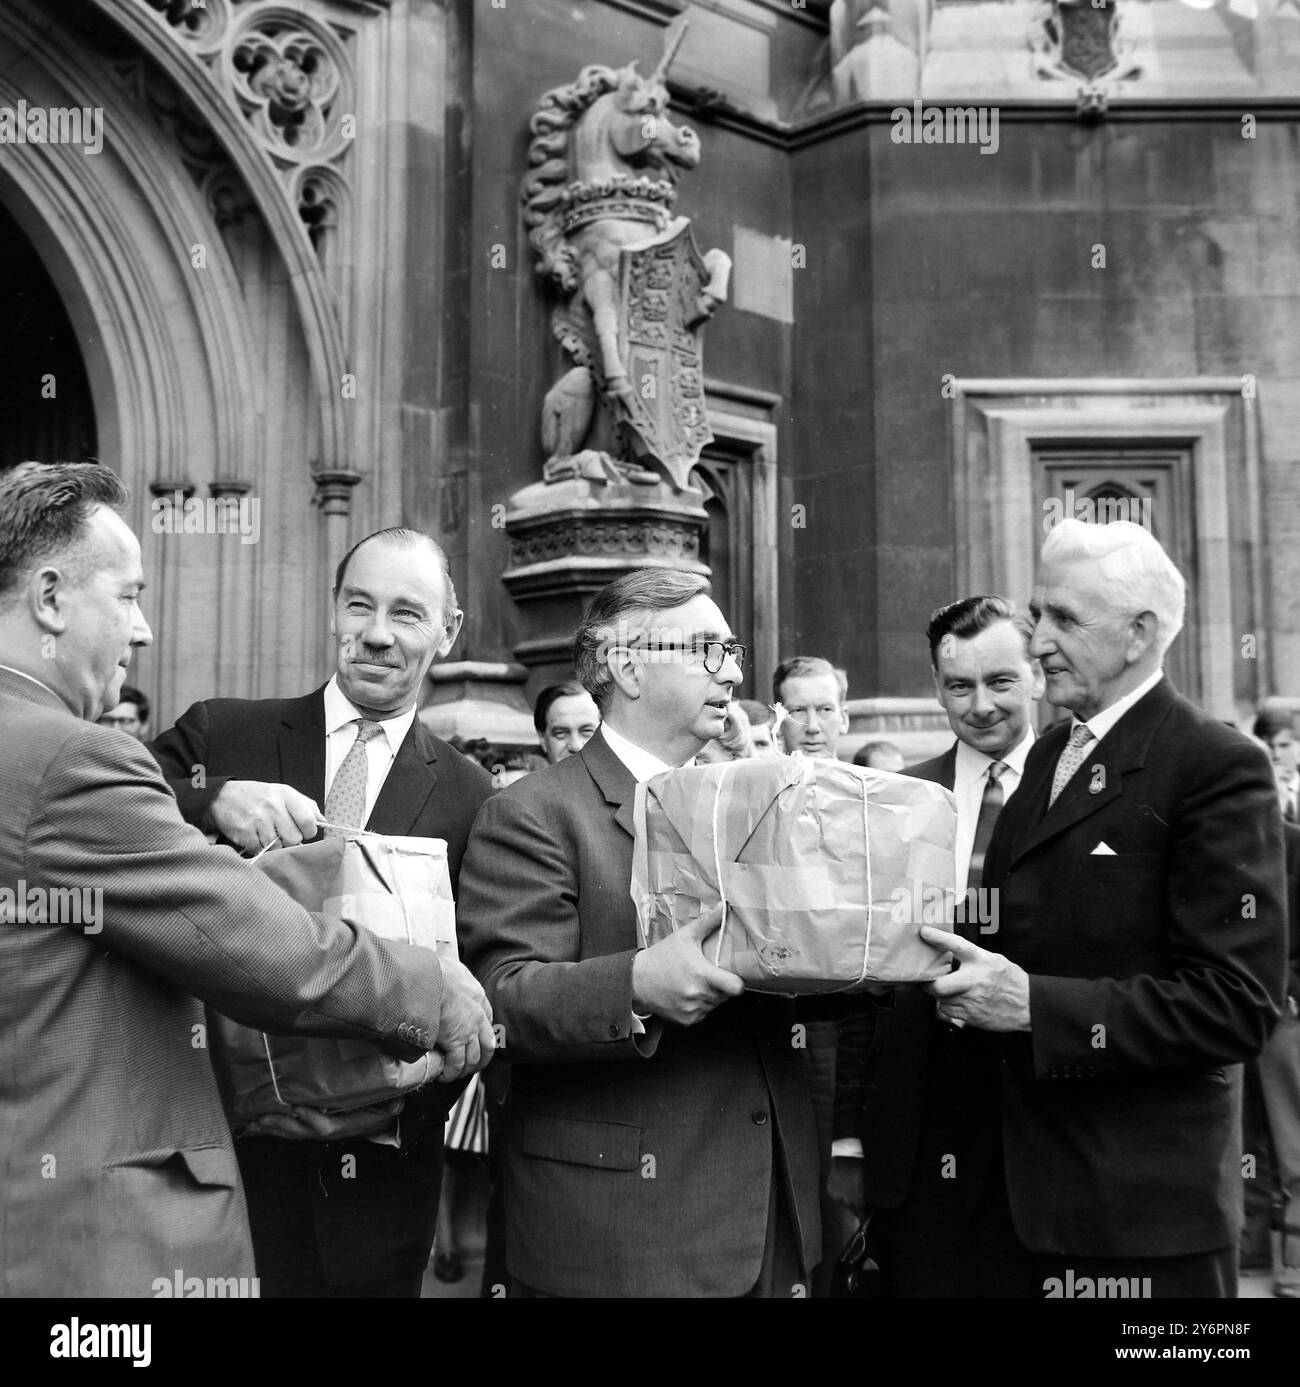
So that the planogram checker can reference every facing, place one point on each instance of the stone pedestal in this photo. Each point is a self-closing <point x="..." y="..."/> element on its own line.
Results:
<point x="569" y="538"/>
<point x="473" y="698"/>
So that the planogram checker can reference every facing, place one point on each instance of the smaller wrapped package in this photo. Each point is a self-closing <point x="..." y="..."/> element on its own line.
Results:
<point x="398" y="888"/>
<point x="820" y="866"/>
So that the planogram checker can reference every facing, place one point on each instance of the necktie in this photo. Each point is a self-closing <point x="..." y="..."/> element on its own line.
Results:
<point x="345" y="804"/>
<point x="1289" y="805"/>
<point x="990" y="808"/>
<point x="1071" y="759"/>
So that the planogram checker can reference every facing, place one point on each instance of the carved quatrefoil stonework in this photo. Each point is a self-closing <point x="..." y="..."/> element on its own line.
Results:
<point x="290" y="75"/>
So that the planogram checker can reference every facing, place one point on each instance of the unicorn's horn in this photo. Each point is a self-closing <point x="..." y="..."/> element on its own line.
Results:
<point x="673" y="37"/>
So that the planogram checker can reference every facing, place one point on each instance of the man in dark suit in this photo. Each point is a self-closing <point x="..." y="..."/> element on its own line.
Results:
<point x="661" y="1141"/>
<point x="898" y="1071"/>
<point x="1139" y="955"/>
<point x="353" y="1215"/>
<point x="116" y="918"/>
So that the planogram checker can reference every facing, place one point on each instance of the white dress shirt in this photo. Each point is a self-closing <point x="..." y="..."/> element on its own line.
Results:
<point x="970" y="776"/>
<point x="341" y="732"/>
<point x="641" y="763"/>
<point x="1101" y="723"/>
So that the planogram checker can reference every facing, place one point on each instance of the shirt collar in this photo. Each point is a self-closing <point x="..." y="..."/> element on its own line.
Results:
<point x="1101" y="723"/>
<point x="339" y="712"/>
<point x="642" y="764"/>
<point x="974" y="764"/>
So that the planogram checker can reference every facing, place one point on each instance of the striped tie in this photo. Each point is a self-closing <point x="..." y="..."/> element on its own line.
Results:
<point x="990" y="808"/>
<point x="345" y="805"/>
<point x="1071" y="758"/>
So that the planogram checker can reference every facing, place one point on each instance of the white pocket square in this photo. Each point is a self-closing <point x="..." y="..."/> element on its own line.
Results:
<point x="1102" y="849"/>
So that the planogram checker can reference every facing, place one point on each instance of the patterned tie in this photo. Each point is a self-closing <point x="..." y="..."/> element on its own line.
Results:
<point x="990" y="808"/>
<point x="1071" y="759"/>
<point x="345" y="805"/>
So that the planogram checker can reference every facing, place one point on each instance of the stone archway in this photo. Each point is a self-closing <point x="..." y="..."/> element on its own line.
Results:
<point x="206" y="329"/>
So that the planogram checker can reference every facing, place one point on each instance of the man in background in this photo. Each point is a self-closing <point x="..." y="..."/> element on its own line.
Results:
<point x="131" y="715"/>
<point x="760" y="727"/>
<point x="565" y="717"/>
<point x="339" y="1209"/>
<point x="1277" y="731"/>
<point x="813" y="692"/>
<point x="899" y="1072"/>
<point x="879" y="756"/>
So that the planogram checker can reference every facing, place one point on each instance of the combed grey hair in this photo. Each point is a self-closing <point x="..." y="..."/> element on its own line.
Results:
<point x="1134" y="574"/>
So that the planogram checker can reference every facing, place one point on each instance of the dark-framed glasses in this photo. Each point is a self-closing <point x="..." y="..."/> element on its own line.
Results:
<point x="712" y="652"/>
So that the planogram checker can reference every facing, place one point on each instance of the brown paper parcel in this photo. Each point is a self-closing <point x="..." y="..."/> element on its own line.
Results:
<point x="819" y="865"/>
<point x="398" y="888"/>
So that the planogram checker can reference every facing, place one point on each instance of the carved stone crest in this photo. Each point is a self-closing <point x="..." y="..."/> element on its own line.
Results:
<point x="638" y="291"/>
<point x="1081" y="41"/>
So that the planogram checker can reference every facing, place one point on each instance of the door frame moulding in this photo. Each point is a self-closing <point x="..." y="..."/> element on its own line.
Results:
<point x="996" y="426"/>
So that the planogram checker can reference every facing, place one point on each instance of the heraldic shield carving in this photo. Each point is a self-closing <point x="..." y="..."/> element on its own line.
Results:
<point x="663" y="289"/>
<point x="636" y="291"/>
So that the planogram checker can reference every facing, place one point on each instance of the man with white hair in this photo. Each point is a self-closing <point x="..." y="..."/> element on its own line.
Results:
<point x="1139" y="958"/>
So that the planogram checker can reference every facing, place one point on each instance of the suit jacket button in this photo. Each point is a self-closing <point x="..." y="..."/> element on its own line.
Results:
<point x="760" y="1117"/>
<point x="614" y="1029"/>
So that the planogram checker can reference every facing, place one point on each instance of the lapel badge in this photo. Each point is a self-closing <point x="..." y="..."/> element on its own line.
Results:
<point x="1098" y="782"/>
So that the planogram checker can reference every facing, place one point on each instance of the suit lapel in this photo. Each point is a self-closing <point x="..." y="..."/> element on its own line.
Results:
<point x="1099" y="781"/>
<point x="301" y="745"/>
<point x="614" y="779"/>
<point x="948" y="771"/>
<point x="409" y="784"/>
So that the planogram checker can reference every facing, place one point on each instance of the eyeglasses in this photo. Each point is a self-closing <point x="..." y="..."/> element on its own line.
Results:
<point x="714" y="652"/>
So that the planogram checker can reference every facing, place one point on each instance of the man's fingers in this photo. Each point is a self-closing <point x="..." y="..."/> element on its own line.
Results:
<point x="961" y="949"/>
<point x="702" y="926"/>
<point x="453" y="1065"/>
<point x="728" y="984"/>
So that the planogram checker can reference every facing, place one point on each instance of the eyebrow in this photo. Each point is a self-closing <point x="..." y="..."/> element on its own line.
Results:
<point x="399" y="601"/>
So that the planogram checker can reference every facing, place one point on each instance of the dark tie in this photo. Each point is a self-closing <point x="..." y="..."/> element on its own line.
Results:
<point x="990" y="808"/>
<point x="1071" y="759"/>
<point x="1289" y="809"/>
<point x="345" y="805"/>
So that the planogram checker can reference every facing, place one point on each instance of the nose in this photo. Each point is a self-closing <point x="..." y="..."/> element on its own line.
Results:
<point x="730" y="671"/>
<point x="140" y="632"/>
<point x="1039" y="642"/>
<point x="980" y="701"/>
<point x="376" y="631"/>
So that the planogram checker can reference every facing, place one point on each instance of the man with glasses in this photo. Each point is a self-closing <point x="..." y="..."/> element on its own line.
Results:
<point x="661" y="1141"/>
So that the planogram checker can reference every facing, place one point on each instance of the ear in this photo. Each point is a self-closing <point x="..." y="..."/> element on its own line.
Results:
<point x="47" y="599"/>
<point x="938" y="688"/>
<point x="450" y="630"/>
<point x="1037" y="681"/>
<point x="625" y="669"/>
<point x="1143" y="630"/>
<point x="844" y="719"/>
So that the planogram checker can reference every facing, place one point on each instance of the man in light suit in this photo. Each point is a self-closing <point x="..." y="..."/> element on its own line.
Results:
<point x="661" y="1141"/>
<point x="1139" y="956"/>
<point x="898" y="1069"/>
<point x="338" y="1208"/>
<point x="116" y="918"/>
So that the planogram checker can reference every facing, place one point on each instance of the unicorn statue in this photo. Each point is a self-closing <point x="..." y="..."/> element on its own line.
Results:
<point x="599" y="207"/>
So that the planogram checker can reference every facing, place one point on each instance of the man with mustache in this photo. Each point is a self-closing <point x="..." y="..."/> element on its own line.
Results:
<point x="117" y="922"/>
<point x="339" y="1209"/>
